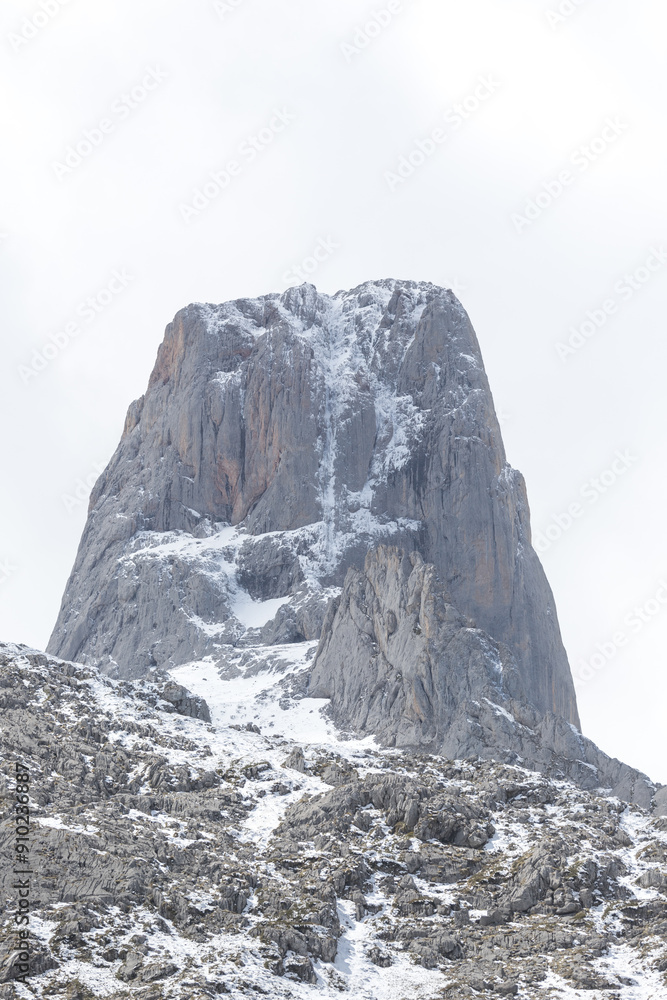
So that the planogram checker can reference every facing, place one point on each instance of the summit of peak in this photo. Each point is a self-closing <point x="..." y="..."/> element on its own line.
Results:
<point x="313" y="427"/>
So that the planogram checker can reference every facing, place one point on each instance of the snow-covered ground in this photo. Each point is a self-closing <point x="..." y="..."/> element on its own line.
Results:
<point x="258" y="697"/>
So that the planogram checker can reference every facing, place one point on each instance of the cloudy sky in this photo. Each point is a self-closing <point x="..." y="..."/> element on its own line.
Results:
<point x="171" y="151"/>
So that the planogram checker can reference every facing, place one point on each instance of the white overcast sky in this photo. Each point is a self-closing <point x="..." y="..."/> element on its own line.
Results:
<point x="582" y="92"/>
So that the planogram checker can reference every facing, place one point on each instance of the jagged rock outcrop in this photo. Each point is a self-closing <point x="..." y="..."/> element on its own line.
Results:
<point x="279" y="439"/>
<point x="397" y="660"/>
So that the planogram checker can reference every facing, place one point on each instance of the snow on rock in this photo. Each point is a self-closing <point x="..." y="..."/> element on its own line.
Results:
<point x="281" y="438"/>
<point x="242" y="857"/>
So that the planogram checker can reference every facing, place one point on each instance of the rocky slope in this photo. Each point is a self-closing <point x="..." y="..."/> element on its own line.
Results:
<point x="177" y="857"/>
<point x="279" y="439"/>
<point x="322" y="736"/>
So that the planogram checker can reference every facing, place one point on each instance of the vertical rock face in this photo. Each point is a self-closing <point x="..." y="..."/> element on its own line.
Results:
<point x="397" y="661"/>
<point x="279" y="440"/>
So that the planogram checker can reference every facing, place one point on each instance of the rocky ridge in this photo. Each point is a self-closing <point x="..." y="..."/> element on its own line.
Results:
<point x="180" y="858"/>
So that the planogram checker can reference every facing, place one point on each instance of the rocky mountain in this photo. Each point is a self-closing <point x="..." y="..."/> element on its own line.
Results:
<point x="306" y="725"/>
<point x="282" y="443"/>
<point x="279" y="439"/>
<point x="180" y="855"/>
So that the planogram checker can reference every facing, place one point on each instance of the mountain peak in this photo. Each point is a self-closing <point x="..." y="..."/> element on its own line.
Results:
<point x="279" y="441"/>
<point x="322" y="730"/>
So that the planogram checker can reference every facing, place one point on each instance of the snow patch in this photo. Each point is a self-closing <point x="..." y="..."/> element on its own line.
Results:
<point x="499" y="710"/>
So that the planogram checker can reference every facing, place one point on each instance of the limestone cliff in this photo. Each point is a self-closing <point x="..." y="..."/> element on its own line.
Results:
<point x="278" y="441"/>
<point x="398" y="661"/>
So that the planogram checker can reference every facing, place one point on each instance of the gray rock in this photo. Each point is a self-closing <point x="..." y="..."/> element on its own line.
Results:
<point x="13" y="965"/>
<point x="296" y="761"/>
<point x="184" y="702"/>
<point x="156" y="971"/>
<point x="495" y="918"/>
<point x="404" y="684"/>
<point x="336" y="774"/>
<point x="300" y="968"/>
<point x="660" y="804"/>
<point x="318" y="426"/>
<point x="380" y="958"/>
<point x="139" y="863"/>
<point x="131" y="967"/>
<point x="398" y="660"/>
<point x="653" y="880"/>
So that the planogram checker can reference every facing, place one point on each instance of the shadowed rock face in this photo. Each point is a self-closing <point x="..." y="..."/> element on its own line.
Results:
<point x="278" y="441"/>
<point x="398" y="661"/>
